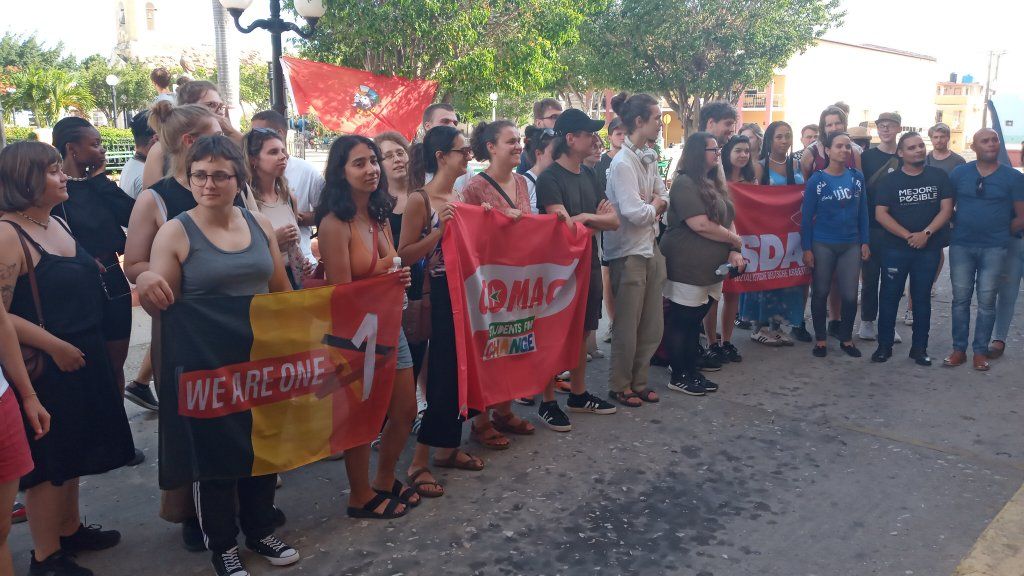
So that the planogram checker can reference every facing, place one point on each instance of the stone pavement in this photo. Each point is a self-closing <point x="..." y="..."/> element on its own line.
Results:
<point x="798" y="466"/>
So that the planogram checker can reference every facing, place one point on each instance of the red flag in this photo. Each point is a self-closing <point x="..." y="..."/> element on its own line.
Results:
<point x="768" y="220"/>
<point x="356" y="101"/>
<point x="519" y="295"/>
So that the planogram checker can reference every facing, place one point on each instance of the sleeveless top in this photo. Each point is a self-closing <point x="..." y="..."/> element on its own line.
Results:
<point x="433" y="262"/>
<point x="209" y="271"/>
<point x="360" y="257"/>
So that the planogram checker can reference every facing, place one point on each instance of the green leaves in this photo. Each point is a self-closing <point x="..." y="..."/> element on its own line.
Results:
<point x="49" y="93"/>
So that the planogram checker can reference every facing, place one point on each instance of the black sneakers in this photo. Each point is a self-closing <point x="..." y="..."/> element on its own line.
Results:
<point x="276" y="552"/>
<point x="881" y="354"/>
<point x="141" y="395"/>
<point x="920" y="356"/>
<point x="228" y="563"/>
<point x="60" y="563"/>
<point x="554" y="417"/>
<point x="91" y="538"/>
<point x="687" y="385"/>
<point x="730" y="353"/>
<point x="708" y="360"/>
<point x="587" y="402"/>
<point x="708" y="385"/>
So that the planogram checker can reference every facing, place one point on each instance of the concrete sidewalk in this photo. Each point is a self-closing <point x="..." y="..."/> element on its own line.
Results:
<point x="798" y="466"/>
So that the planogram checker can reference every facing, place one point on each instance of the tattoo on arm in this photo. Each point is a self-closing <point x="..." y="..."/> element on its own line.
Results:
<point x="8" y="277"/>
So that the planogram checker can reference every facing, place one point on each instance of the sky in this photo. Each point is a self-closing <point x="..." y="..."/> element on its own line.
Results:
<point x="958" y="33"/>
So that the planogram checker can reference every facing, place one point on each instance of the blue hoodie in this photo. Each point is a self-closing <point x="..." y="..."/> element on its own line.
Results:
<point x="835" y="209"/>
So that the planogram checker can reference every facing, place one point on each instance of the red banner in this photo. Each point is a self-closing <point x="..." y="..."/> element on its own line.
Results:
<point x="519" y="295"/>
<point x="356" y="101"/>
<point x="768" y="220"/>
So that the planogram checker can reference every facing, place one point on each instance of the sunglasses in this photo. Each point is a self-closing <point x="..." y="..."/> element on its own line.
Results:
<point x="979" y="189"/>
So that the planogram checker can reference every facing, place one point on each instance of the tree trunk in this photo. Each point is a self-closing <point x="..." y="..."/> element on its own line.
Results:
<point x="228" y="75"/>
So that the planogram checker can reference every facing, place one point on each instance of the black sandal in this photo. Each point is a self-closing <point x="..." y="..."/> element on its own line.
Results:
<point x="648" y="395"/>
<point x="369" y="510"/>
<point x="402" y="492"/>
<point x="624" y="398"/>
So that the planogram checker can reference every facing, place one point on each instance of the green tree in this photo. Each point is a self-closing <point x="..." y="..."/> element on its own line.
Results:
<point x="471" y="48"/>
<point x="25" y="51"/>
<point x="134" y="89"/>
<point x="689" y="51"/>
<point x="254" y="86"/>
<point x="50" y="93"/>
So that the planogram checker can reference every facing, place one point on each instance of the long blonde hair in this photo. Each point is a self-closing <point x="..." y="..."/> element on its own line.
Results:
<point x="171" y="123"/>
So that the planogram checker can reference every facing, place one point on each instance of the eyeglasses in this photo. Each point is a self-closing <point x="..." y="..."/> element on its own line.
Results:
<point x="199" y="179"/>
<point x="551" y="117"/>
<point x="979" y="189"/>
<point x="717" y="150"/>
<point x="216" y="107"/>
<point x="466" y="151"/>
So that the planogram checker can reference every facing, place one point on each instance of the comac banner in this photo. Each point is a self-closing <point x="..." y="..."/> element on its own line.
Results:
<point x="519" y="294"/>
<point x="255" y="385"/>
<point x="768" y="220"/>
<point x="356" y="101"/>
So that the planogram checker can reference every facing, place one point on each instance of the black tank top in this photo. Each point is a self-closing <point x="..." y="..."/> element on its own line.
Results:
<point x="177" y="198"/>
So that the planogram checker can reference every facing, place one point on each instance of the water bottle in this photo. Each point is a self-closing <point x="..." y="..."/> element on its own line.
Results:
<point x="396" y="265"/>
<point x="725" y="270"/>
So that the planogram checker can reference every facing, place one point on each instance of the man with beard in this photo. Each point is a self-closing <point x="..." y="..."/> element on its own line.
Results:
<point x="914" y="205"/>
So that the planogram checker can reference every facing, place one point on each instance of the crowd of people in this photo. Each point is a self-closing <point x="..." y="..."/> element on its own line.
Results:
<point x="211" y="211"/>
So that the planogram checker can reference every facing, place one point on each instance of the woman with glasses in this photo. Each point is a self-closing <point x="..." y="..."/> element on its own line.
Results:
<point x="445" y="154"/>
<point x="699" y="240"/>
<point x="266" y="156"/>
<point x="52" y="287"/>
<point x="96" y="210"/>
<point x="356" y="243"/>
<point x="219" y="249"/>
<point x="200" y="93"/>
<point x="834" y="234"/>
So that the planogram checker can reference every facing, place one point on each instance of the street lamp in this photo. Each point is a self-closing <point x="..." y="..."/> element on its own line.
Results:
<point x="113" y="81"/>
<point x="311" y="10"/>
<point x="494" y="106"/>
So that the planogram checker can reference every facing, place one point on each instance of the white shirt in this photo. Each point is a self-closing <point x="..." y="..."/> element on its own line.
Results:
<point x="306" y="184"/>
<point x="631" y="189"/>
<point x="531" y="188"/>
<point x="131" y="177"/>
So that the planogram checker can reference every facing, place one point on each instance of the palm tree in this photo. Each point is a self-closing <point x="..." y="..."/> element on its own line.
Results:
<point x="50" y="93"/>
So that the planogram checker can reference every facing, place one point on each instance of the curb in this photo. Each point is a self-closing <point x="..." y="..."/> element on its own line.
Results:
<point x="1000" y="549"/>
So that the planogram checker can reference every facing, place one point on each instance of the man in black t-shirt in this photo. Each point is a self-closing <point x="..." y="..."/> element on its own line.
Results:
<point x="571" y="190"/>
<point x="878" y="162"/>
<point x="914" y="205"/>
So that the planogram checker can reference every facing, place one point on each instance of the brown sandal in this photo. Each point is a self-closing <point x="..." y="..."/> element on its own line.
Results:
<point x="418" y="485"/>
<point x="489" y="437"/>
<point x="474" y="464"/>
<point x="647" y="395"/>
<point x="627" y="399"/>
<point x="503" y="423"/>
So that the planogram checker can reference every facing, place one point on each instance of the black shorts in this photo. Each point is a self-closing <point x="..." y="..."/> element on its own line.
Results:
<point x="117" y="307"/>
<point x="594" y="299"/>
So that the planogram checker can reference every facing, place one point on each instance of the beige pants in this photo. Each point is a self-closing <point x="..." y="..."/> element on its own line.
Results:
<point x="637" y="283"/>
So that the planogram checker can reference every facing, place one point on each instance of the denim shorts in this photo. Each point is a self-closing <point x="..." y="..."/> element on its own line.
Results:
<point x="404" y="355"/>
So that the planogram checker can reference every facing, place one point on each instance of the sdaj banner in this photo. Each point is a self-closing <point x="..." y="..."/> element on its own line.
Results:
<point x="519" y="294"/>
<point x="768" y="221"/>
<point x="255" y="385"/>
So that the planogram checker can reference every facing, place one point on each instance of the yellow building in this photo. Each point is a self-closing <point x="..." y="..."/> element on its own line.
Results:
<point x="961" y="106"/>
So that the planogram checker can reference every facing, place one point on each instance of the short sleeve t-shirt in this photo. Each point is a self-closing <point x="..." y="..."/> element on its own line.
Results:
<point x="872" y="161"/>
<point x="982" y="220"/>
<point x="914" y="201"/>
<point x="478" y="191"/>
<point x="947" y="164"/>
<point x="579" y="193"/>
<point x="689" y="257"/>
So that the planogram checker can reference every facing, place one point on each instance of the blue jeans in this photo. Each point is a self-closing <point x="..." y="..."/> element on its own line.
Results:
<point x="897" y="264"/>
<point x="1009" y="288"/>
<point x="971" y="267"/>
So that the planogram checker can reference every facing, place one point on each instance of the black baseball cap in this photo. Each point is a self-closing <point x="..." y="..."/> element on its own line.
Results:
<point x="574" y="120"/>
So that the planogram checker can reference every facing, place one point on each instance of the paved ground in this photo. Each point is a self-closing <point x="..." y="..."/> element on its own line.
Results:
<point x="798" y="466"/>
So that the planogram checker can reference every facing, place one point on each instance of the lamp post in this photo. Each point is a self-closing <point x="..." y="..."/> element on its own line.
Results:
<point x="311" y="10"/>
<point x="494" y="106"/>
<point x="113" y="81"/>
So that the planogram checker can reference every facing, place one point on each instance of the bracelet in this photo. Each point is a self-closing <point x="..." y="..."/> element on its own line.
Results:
<point x="29" y="395"/>
<point x="735" y="249"/>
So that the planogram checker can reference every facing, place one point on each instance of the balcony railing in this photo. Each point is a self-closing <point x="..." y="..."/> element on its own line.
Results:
<point x="759" y="100"/>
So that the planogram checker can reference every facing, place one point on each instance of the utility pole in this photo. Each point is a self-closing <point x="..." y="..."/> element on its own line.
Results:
<point x="988" y="84"/>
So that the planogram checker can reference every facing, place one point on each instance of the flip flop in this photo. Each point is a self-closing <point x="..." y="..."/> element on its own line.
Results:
<point x="400" y="491"/>
<point x="502" y="423"/>
<point x="626" y="399"/>
<point x="417" y="485"/>
<point x="369" y="510"/>
<point x="474" y="464"/>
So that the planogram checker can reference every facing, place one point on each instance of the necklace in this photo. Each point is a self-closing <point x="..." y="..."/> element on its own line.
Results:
<point x="774" y="161"/>
<point x="43" y="225"/>
<point x="74" y="179"/>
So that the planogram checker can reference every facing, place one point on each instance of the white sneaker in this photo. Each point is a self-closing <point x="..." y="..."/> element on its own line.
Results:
<point x="867" y="330"/>
<point x="607" y="335"/>
<point x="896" y="338"/>
<point x="908" y="318"/>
